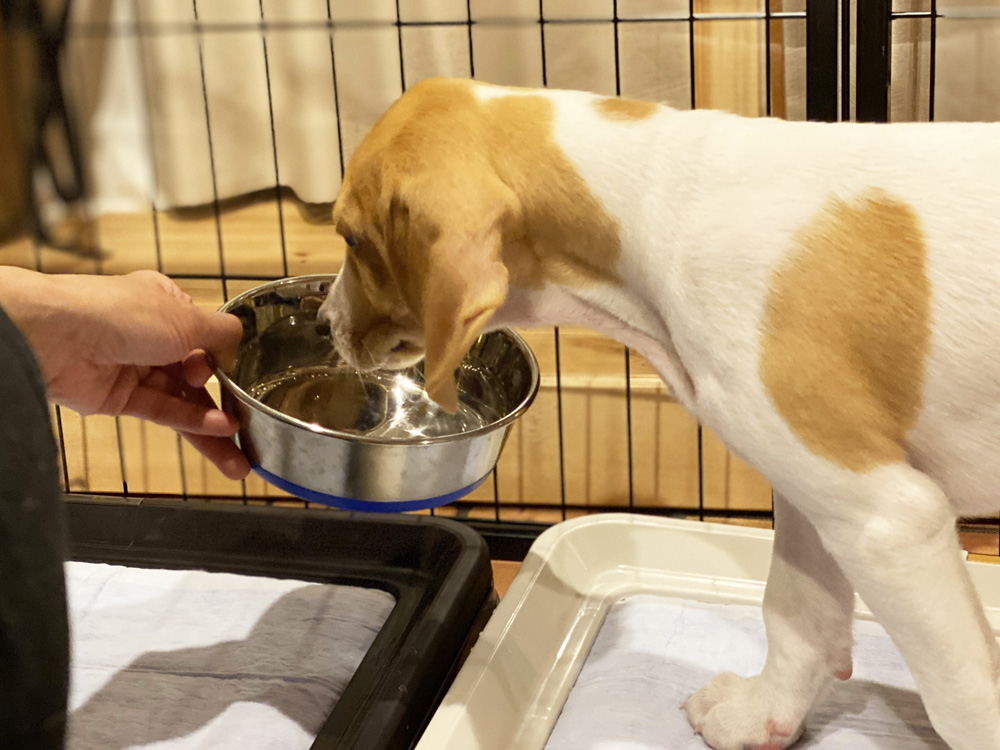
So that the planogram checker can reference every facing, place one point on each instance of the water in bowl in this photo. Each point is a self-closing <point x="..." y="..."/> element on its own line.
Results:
<point x="385" y="405"/>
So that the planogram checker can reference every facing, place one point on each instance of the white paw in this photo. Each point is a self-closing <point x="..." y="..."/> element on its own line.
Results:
<point x="739" y="713"/>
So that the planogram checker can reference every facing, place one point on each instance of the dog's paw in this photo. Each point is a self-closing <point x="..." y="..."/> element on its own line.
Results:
<point x="738" y="713"/>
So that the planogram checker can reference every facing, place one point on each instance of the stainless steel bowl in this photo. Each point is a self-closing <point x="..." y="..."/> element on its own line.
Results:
<point x="320" y="430"/>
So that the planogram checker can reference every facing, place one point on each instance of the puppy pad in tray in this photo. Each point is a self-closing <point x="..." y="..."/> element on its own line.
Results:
<point x="293" y="635"/>
<point x="652" y="652"/>
<point x="185" y="659"/>
<point x="615" y="619"/>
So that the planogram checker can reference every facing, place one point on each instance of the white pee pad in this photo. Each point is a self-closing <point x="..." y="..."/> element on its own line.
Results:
<point x="653" y="652"/>
<point x="565" y="605"/>
<point x="190" y="660"/>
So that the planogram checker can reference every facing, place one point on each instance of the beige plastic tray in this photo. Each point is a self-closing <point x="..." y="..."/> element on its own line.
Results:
<point x="512" y="687"/>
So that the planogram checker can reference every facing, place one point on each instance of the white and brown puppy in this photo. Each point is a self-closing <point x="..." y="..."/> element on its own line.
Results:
<point x="825" y="297"/>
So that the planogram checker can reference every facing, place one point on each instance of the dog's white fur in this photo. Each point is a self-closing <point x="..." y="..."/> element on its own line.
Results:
<point x="708" y="205"/>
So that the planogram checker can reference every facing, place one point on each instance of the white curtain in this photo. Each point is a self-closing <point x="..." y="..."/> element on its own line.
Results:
<point x="141" y="84"/>
<point x="151" y="83"/>
<point x="966" y="85"/>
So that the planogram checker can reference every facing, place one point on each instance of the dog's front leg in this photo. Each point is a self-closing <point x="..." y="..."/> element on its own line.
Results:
<point x="808" y="609"/>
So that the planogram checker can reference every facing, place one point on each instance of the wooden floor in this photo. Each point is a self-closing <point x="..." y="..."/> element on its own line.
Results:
<point x="503" y="573"/>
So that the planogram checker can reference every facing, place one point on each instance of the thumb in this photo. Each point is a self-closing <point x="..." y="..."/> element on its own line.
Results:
<point x="218" y="333"/>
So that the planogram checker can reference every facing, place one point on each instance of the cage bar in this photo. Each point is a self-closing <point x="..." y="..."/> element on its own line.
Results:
<point x="821" y="60"/>
<point x="274" y="151"/>
<point x="211" y="160"/>
<point x="872" y="68"/>
<point x="933" y="62"/>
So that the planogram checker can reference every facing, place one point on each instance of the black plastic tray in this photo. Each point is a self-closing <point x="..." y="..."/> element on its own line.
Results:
<point x="438" y="570"/>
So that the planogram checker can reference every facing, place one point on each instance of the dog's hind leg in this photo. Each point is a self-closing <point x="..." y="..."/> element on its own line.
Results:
<point x="892" y="531"/>
<point x="808" y="610"/>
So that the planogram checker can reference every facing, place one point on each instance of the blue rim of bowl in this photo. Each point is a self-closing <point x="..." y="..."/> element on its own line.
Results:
<point x="347" y="503"/>
<point x="509" y="418"/>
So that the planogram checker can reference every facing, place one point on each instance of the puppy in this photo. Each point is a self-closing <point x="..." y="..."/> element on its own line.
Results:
<point x="824" y="297"/>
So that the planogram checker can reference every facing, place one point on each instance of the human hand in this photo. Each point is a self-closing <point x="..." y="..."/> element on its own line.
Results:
<point x="133" y="345"/>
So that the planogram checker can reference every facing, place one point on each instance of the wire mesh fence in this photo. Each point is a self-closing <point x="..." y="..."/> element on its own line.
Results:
<point x="223" y="102"/>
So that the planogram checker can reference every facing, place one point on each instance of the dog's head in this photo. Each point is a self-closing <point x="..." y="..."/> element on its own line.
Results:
<point x="450" y="197"/>
<point x="423" y="214"/>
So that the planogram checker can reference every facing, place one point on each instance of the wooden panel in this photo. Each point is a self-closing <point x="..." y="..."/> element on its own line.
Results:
<point x="129" y="240"/>
<point x="779" y="102"/>
<point x="92" y="457"/>
<point x="910" y="87"/>
<point x="503" y="575"/>
<point x="528" y="471"/>
<point x="729" y="483"/>
<point x="189" y="243"/>
<point x="75" y="444"/>
<point x="665" y="450"/>
<point x="728" y="58"/>
<point x="727" y="7"/>
<point x="313" y="247"/>
<point x="150" y="464"/>
<point x="595" y="435"/>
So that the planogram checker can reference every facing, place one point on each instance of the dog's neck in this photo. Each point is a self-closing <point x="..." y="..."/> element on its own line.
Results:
<point x="614" y="313"/>
<point x="618" y="168"/>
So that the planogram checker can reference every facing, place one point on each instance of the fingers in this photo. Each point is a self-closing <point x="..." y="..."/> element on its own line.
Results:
<point x="218" y="333"/>
<point x="222" y="452"/>
<point x="195" y="371"/>
<point x="184" y="413"/>
<point x="197" y="368"/>
<point x="176" y="324"/>
<point x="170" y="403"/>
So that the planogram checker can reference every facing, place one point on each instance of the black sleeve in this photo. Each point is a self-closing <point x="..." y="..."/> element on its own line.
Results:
<point x="34" y="634"/>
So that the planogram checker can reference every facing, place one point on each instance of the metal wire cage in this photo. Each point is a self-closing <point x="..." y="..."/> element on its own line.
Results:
<point x="604" y="436"/>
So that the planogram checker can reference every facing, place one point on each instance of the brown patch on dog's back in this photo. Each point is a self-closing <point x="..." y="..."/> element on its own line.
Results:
<point x="626" y="109"/>
<point x="847" y="331"/>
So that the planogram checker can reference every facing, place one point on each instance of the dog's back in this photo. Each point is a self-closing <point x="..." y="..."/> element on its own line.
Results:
<point x="848" y="273"/>
<point x="823" y="296"/>
<point x="881" y="254"/>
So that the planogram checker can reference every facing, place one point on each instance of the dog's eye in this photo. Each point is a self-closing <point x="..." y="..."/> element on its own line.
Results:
<point x="351" y="240"/>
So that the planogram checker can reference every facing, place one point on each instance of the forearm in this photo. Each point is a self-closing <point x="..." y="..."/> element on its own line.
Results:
<point x="37" y="305"/>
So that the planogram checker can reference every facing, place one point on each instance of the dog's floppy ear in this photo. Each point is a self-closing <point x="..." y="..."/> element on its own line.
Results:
<point x="464" y="279"/>
<point x="465" y="285"/>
